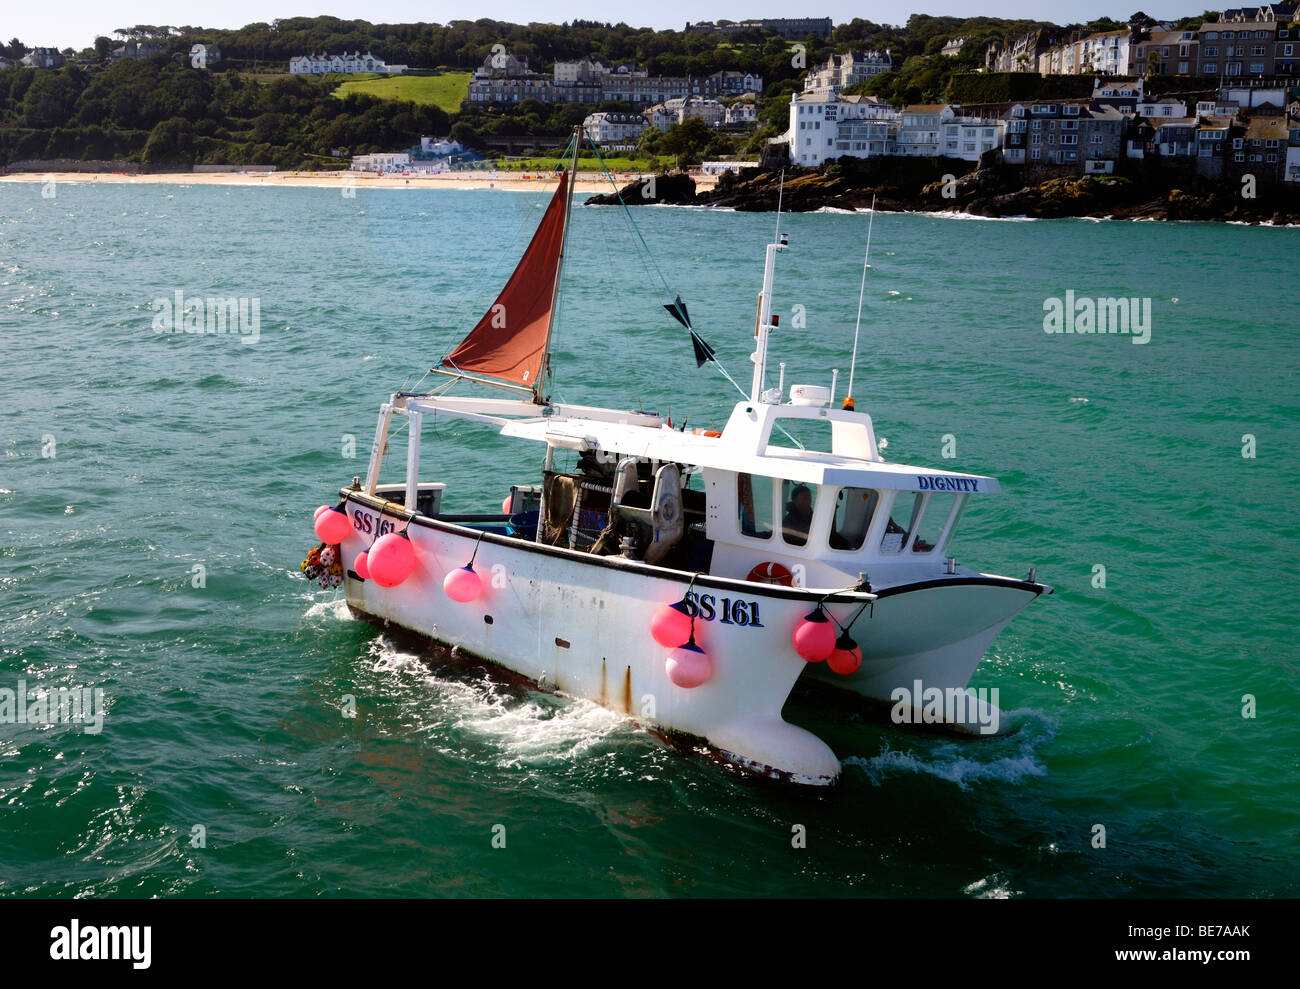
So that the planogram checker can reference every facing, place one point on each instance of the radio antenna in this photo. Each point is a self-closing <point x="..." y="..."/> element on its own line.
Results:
<point x="862" y="291"/>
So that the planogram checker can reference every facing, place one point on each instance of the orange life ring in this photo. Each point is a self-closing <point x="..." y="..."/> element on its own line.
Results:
<point x="706" y="432"/>
<point x="772" y="573"/>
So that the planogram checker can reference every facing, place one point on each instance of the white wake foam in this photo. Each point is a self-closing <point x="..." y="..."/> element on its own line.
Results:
<point x="967" y="763"/>
<point x="529" y="730"/>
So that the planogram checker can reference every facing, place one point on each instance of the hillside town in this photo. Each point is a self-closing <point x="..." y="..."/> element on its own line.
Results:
<point x="1213" y="95"/>
<point x="1250" y="124"/>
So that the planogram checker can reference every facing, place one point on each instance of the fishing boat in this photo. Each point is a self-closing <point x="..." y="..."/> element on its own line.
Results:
<point x="685" y="579"/>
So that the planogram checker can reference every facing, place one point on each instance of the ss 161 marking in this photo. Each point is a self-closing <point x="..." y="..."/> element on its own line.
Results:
<point x="707" y="608"/>
<point x="364" y="522"/>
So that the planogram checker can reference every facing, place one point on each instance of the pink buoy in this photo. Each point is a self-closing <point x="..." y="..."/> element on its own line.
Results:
<point x="316" y="514"/>
<point x="462" y="585"/>
<point x="332" y="526"/>
<point x="688" y="665"/>
<point x="505" y="505"/>
<point x="814" y="637"/>
<point x="670" y="625"/>
<point x="391" y="560"/>
<point x="846" y="657"/>
<point x="362" y="568"/>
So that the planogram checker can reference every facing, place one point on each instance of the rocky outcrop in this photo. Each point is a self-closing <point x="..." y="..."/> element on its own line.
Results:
<point x="990" y="189"/>
<point x="673" y="189"/>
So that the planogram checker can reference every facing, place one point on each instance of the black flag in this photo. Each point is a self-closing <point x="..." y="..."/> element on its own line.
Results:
<point x="703" y="352"/>
<point x="678" y="311"/>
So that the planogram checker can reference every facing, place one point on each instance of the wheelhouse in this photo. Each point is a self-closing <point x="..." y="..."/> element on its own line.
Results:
<point x="722" y="503"/>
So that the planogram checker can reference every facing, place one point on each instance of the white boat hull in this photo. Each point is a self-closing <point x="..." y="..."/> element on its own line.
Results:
<point x="579" y="625"/>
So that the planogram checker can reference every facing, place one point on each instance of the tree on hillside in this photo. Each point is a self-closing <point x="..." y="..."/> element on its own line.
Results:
<point x="687" y="141"/>
<point x="170" y="143"/>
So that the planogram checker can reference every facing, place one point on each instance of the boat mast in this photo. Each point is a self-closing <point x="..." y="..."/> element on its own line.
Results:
<point x="766" y="322"/>
<point x="545" y="373"/>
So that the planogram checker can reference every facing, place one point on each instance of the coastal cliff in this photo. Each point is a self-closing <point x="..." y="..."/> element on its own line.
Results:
<point x="991" y="189"/>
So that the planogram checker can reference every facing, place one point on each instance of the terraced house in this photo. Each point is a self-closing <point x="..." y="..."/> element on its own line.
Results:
<point x="1087" y="138"/>
<point x="846" y="69"/>
<point x="1238" y="49"/>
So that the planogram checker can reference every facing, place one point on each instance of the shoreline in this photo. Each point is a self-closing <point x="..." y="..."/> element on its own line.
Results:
<point x="587" y="184"/>
<point x="509" y="181"/>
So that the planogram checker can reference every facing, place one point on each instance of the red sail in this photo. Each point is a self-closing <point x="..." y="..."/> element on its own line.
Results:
<point x="510" y="340"/>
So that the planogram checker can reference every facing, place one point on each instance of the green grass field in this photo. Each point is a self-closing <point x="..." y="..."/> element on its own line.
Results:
<point x="445" y="91"/>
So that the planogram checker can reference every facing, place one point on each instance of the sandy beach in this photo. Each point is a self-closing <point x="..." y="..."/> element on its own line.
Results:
<point x="587" y="183"/>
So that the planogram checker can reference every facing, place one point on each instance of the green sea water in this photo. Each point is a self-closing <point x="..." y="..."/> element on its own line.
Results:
<point x="129" y="457"/>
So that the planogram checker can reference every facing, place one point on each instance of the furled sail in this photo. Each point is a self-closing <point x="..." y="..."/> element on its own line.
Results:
<point x="510" y="341"/>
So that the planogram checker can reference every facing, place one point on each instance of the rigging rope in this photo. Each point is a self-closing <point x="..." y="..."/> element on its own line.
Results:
<point x="670" y="294"/>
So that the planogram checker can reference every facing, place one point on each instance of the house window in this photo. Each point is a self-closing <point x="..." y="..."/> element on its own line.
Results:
<point x="1261" y="34"/>
<point x="1182" y="68"/>
<point x="1211" y="68"/>
<point x="1257" y="50"/>
<point x="1038" y="125"/>
<point x="1239" y="156"/>
<point x="1069" y="138"/>
<point x="1070" y="111"/>
<point x="1182" y="51"/>
<point x="1271" y="158"/>
<point x="1256" y="66"/>
<point x="1210" y="51"/>
<point x="1228" y="35"/>
<point x="1095" y="139"/>
<point x="1287" y="50"/>
<point x="1036" y="154"/>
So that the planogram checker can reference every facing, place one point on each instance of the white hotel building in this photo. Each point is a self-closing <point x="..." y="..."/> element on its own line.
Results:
<point x="356" y="62"/>
<point x="825" y="125"/>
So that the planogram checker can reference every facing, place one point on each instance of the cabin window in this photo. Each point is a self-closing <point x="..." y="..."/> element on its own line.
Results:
<point x="930" y="531"/>
<point x="854" y="509"/>
<point x="754" y="505"/>
<point x="901" y="522"/>
<point x="798" y="502"/>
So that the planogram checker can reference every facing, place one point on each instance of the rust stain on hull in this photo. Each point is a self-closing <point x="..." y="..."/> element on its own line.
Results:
<point x="604" y="699"/>
<point x="627" y="691"/>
